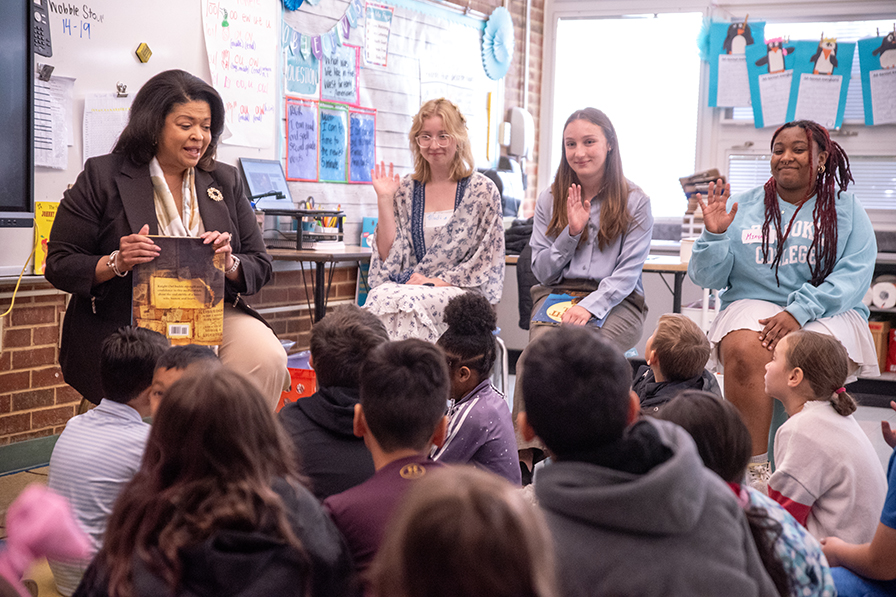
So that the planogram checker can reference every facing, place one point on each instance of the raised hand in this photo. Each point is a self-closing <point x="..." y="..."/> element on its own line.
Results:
<point x="716" y="217"/>
<point x="385" y="183"/>
<point x="577" y="211"/>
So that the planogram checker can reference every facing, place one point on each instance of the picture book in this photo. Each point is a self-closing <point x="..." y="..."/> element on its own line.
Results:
<point x="180" y="293"/>
<point x="44" y="214"/>
<point x="552" y="309"/>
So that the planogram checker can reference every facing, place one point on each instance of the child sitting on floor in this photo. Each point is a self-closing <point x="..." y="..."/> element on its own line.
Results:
<point x="828" y="475"/>
<point x="480" y="431"/>
<point x="676" y="356"/>
<point x="791" y="556"/>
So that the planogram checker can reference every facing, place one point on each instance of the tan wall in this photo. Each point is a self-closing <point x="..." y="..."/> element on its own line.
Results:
<point x="35" y="402"/>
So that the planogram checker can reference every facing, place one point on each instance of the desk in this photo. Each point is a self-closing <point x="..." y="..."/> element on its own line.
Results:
<point x="657" y="264"/>
<point x="321" y="285"/>
<point x="669" y="264"/>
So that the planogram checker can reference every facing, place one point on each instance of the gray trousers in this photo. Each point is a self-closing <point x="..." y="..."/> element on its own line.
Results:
<point x="623" y="327"/>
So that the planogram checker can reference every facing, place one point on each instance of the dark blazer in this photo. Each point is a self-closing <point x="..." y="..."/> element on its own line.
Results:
<point x="112" y="198"/>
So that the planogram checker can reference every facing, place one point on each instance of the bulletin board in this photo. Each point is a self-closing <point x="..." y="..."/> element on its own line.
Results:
<point x="421" y="52"/>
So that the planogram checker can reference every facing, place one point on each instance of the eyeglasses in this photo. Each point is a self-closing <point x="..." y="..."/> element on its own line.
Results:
<point x="425" y="141"/>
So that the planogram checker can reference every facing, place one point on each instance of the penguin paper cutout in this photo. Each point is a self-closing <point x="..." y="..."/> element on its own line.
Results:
<point x="738" y="38"/>
<point x="825" y="58"/>
<point x="774" y="56"/>
<point x="887" y="51"/>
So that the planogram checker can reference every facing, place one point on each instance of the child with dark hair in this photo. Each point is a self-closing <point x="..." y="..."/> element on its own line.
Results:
<point x="172" y="365"/>
<point x="480" y="431"/>
<point x="792" y="557"/>
<point x="462" y="532"/>
<point x="828" y="474"/>
<point x="100" y="451"/>
<point x="676" y="356"/>
<point x="216" y="507"/>
<point x="321" y="426"/>
<point x="404" y="390"/>
<point x="632" y="509"/>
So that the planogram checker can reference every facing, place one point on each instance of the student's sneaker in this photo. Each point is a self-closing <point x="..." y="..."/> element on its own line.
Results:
<point x="758" y="474"/>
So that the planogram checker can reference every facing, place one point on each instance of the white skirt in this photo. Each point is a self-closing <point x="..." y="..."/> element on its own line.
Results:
<point x="849" y="327"/>
<point x="411" y="310"/>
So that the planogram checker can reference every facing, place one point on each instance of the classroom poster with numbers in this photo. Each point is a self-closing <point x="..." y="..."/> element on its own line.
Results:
<point x="877" y="61"/>
<point x="242" y="42"/>
<point x="770" y="68"/>
<point x="821" y="74"/>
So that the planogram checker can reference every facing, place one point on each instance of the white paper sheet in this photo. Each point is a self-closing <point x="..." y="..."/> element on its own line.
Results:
<point x="52" y="121"/>
<point x="818" y="99"/>
<point x="883" y="96"/>
<point x="733" y="83"/>
<point x="105" y="116"/>
<point x="774" y="91"/>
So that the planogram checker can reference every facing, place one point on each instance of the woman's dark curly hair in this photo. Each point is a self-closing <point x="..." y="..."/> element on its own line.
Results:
<point x="469" y="340"/>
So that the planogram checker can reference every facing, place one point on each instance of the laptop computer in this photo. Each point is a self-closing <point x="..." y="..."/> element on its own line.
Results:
<point x="266" y="186"/>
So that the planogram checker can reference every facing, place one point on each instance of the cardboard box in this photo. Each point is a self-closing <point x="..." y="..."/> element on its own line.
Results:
<point x="880" y="332"/>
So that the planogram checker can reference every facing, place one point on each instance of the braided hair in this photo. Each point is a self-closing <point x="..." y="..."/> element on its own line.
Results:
<point x="824" y="216"/>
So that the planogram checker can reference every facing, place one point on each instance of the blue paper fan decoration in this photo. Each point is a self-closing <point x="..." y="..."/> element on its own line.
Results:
<point x="497" y="43"/>
<point x="292" y="4"/>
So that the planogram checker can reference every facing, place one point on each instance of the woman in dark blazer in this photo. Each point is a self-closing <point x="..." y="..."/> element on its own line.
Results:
<point x="160" y="179"/>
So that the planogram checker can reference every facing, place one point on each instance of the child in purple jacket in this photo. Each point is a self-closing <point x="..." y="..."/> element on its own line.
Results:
<point x="480" y="429"/>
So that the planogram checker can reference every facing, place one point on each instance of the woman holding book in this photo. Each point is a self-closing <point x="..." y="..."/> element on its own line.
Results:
<point x="590" y="237"/>
<point x="796" y="253"/>
<point x="440" y="230"/>
<point x="160" y="179"/>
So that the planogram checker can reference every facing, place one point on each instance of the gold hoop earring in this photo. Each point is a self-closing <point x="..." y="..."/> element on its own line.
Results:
<point x="821" y="169"/>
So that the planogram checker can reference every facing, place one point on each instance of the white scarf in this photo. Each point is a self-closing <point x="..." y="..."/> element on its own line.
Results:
<point x="171" y="223"/>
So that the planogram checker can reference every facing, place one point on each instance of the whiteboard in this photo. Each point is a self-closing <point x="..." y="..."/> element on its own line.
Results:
<point x="94" y="42"/>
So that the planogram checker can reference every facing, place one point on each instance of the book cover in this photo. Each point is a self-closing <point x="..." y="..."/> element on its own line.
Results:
<point x="44" y="214"/>
<point x="180" y="293"/>
<point x="552" y="309"/>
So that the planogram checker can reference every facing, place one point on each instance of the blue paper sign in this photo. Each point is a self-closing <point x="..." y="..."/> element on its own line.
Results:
<point x="302" y="75"/>
<point x="729" y="85"/>
<point x="877" y="62"/>
<point x="339" y="75"/>
<point x="770" y="67"/>
<point x="301" y="141"/>
<point x="333" y="144"/>
<point x="821" y="74"/>
<point x="362" y="146"/>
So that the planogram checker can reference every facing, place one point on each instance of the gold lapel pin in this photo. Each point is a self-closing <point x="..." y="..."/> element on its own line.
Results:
<point x="215" y="195"/>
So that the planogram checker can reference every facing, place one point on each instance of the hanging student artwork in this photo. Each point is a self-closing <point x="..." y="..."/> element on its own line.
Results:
<point x="770" y="70"/>
<point x="821" y="74"/>
<point x="877" y="60"/>
<point x="729" y="85"/>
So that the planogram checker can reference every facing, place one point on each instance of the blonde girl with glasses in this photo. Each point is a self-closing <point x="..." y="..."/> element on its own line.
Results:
<point x="439" y="231"/>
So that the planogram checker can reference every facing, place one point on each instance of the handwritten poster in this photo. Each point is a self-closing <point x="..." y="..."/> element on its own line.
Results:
<point x="821" y="71"/>
<point x="377" y="27"/>
<point x="877" y="60"/>
<point x="339" y="79"/>
<point x="302" y="73"/>
<point x="729" y="84"/>
<point x="301" y="141"/>
<point x="241" y="41"/>
<point x="770" y="68"/>
<point x="333" y="143"/>
<point x="362" y="145"/>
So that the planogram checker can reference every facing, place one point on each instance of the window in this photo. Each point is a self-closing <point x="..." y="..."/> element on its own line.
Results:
<point x="643" y="71"/>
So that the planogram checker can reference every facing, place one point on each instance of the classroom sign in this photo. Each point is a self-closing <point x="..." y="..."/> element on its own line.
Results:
<point x="340" y="75"/>
<point x="821" y="74"/>
<point x="301" y="140"/>
<point x="362" y="145"/>
<point x="877" y="61"/>
<point x="770" y="68"/>
<point x="729" y="84"/>
<point x="333" y="143"/>
<point x="301" y="76"/>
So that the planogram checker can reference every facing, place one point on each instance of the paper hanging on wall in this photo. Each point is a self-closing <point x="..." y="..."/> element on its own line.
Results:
<point x="362" y="145"/>
<point x="770" y="68"/>
<point x="242" y="59"/>
<point x="305" y="46"/>
<point x="333" y="143"/>
<point x="377" y="28"/>
<point x="327" y="44"/>
<point x="105" y="116"/>
<point x="339" y="75"/>
<point x="301" y="141"/>
<point x="52" y="122"/>
<point x="352" y="16"/>
<point x="316" y="47"/>
<point x="290" y="39"/>
<point x="302" y="76"/>
<point x="821" y="74"/>
<point x="345" y="28"/>
<point x="729" y="84"/>
<point x="877" y="61"/>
